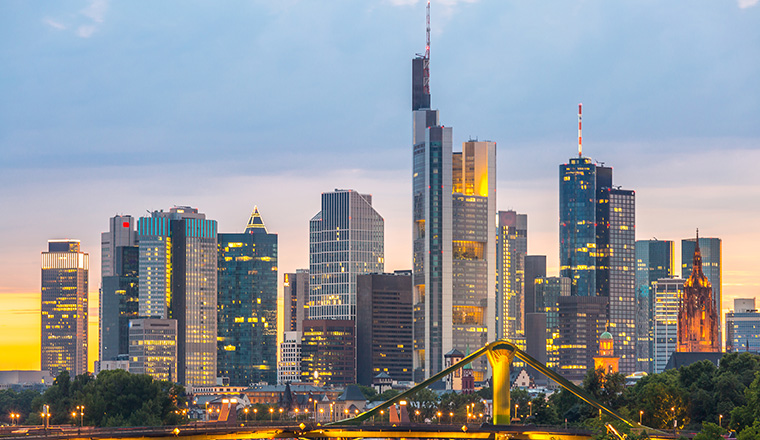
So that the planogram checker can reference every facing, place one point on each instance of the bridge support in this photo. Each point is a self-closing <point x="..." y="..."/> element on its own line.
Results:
<point x="500" y="357"/>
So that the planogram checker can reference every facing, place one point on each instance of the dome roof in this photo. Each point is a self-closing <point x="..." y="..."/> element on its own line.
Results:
<point x="606" y="335"/>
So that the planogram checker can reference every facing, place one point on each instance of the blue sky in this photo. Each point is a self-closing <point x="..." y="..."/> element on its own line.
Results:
<point x="122" y="107"/>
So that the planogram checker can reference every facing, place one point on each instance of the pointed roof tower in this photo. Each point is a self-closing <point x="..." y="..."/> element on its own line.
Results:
<point x="255" y="223"/>
<point x="697" y="278"/>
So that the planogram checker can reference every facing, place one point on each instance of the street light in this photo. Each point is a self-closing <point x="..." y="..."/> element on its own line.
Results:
<point x="720" y="420"/>
<point x="641" y="415"/>
<point x="271" y="414"/>
<point x="245" y="410"/>
<point x="439" y="414"/>
<point x="674" y="419"/>
<point x="80" y="408"/>
<point x="281" y="413"/>
<point x="451" y="418"/>
<point x="517" y="416"/>
<point x="530" y="405"/>
<point x="14" y="417"/>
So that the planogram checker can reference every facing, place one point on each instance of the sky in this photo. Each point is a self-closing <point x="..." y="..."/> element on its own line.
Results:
<point x="127" y="107"/>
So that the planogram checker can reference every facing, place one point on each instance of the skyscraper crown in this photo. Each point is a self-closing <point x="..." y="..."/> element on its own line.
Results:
<point x="255" y="223"/>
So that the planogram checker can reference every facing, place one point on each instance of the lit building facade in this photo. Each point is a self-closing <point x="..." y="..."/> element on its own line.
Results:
<point x="384" y="327"/>
<point x="247" y="305"/>
<point x="65" y="271"/>
<point x="289" y="365"/>
<point x="606" y="360"/>
<point x="346" y="238"/>
<point x="296" y="292"/>
<point x="743" y="327"/>
<point x="581" y="320"/>
<point x="119" y="302"/>
<point x="667" y="296"/>
<point x="654" y="260"/>
<point x="698" y="321"/>
<point x="548" y="291"/>
<point x="178" y="280"/>
<point x="328" y="351"/>
<point x="711" y="250"/>
<point x="153" y="348"/>
<point x="511" y="249"/>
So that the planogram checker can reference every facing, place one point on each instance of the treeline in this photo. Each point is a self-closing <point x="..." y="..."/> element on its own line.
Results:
<point x="113" y="398"/>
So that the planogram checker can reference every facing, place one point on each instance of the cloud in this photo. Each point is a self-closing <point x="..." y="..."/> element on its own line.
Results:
<point x="86" y="31"/>
<point x="744" y="4"/>
<point x="54" y="24"/>
<point x="96" y="11"/>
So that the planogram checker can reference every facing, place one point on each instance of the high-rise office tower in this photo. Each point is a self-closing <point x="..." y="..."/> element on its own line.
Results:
<point x="346" y="238"/>
<point x="535" y="267"/>
<point x="64" y="307"/>
<point x="654" y="260"/>
<point x="697" y="314"/>
<point x="597" y="239"/>
<point x="119" y="289"/>
<point x="743" y="327"/>
<point x="511" y="249"/>
<point x="289" y="365"/>
<point x="178" y="274"/>
<point x="667" y="295"/>
<point x="711" y="250"/>
<point x="296" y="293"/>
<point x="328" y="351"/>
<point x="384" y="326"/>
<point x="545" y="340"/>
<point x="581" y="320"/>
<point x="247" y="304"/>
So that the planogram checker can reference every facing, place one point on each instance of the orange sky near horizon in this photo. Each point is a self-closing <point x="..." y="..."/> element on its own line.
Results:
<point x="20" y="327"/>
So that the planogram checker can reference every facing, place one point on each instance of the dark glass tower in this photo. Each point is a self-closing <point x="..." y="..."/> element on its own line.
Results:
<point x="247" y="305"/>
<point x="119" y="302"/>
<point x="654" y="260"/>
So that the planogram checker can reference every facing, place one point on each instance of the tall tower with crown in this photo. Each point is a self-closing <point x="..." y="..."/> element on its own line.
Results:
<point x="697" y="315"/>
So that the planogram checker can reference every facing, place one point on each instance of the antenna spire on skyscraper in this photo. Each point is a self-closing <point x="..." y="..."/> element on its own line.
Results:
<point x="580" y="138"/>
<point x="426" y="71"/>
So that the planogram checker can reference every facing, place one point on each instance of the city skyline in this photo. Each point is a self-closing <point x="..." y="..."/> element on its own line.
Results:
<point x="666" y="100"/>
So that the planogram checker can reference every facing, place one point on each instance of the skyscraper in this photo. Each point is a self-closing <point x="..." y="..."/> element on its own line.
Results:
<point x="247" y="304"/>
<point x="535" y="267"/>
<point x="119" y="292"/>
<point x="346" y="238"/>
<point x="597" y="240"/>
<point x="511" y="249"/>
<point x="581" y="320"/>
<point x="667" y="295"/>
<point x="697" y="314"/>
<point x="384" y="326"/>
<point x="654" y="260"/>
<point x="178" y="280"/>
<point x="711" y="250"/>
<point x="296" y="292"/>
<point x="548" y="290"/>
<point x="153" y="348"/>
<point x="64" y="307"/>
<point x="328" y="351"/>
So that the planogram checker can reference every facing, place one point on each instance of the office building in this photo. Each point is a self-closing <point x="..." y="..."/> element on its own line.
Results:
<point x="743" y="327"/>
<point x="296" y="293"/>
<point x="698" y="322"/>
<point x="667" y="295"/>
<point x="119" y="302"/>
<point x="511" y="249"/>
<point x="328" y="352"/>
<point x="63" y="323"/>
<point x="581" y="320"/>
<point x="153" y="348"/>
<point x="289" y="365"/>
<point x="247" y="304"/>
<point x="597" y="246"/>
<point x="346" y="238"/>
<point x="384" y="342"/>
<point x="178" y="280"/>
<point x="535" y="267"/>
<point x="711" y="250"/>
<point x="544" y="340"/>
<point x="654" y="260"/>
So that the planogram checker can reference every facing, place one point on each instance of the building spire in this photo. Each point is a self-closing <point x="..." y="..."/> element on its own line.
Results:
<point x="255" y="223"/>
<point x="580" y="138"/>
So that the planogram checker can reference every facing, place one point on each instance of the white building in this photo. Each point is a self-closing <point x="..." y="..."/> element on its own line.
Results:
<point x="667" y="292"/>
<point x="289" y="366"/>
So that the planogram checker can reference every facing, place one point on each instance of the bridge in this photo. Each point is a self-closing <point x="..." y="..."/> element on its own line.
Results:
<point x="500" y="355"/>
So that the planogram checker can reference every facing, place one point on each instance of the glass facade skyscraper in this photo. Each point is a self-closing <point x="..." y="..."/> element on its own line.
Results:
<point x="178" y="280"/>
<point x="667" y="295"/>
<point x="65" y="271"/>
<point x="654" y="260"/>
<point x="743" y="327"/>
<point x="247" y="305"/>
<point x="511" y="249"/>
<point x="346" y="238"/>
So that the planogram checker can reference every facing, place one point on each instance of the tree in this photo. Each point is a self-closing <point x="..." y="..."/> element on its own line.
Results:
<point x="369" y="392"/>
<point x="426" y="402"/>
<point x="710" y="431"/>
<point x="750" y="432"/>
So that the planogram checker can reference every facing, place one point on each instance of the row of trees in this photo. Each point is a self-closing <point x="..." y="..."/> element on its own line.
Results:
<point x="113" y="398"/>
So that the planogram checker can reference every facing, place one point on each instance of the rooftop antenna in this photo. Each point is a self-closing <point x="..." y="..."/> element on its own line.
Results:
<point x="426" y="63"/>
<point x="580" y="138"/>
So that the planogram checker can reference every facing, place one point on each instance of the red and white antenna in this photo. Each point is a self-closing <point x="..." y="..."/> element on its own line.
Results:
<point x="426" y="63"/>
<point x="580" y="138"/>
